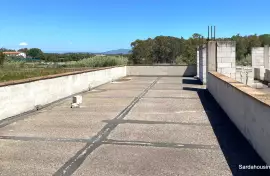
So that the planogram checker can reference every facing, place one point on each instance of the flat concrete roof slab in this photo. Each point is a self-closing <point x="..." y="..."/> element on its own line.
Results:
<point x="113" y="93"/>
<point x="137" y="126"/>
<point x="167" y="105"/>
<point x="185" y="116"/>
<point x="145" y="161"/>
<point x="125" y="86"/>
<point x="34" y="158"/>
<point x="172" y="94"/>
<point x="64" y="122"/>
<point x="166" y="133"/>
<point x="175" y="86"/>
<point x="176" y="80"/>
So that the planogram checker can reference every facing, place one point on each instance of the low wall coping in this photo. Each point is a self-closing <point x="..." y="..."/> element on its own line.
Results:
<point x="162" y="65"/>
<point x="254" y="93"/>
<point x="27" y="80"/>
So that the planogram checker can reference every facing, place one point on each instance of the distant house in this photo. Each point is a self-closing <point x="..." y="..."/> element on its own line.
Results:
<point x="13" y="53"/>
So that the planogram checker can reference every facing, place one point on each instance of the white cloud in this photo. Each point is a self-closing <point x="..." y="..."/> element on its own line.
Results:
<point x="23" y="44"/>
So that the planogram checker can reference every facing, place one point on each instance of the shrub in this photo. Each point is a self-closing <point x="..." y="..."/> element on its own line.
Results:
<point x="99" y="61"/>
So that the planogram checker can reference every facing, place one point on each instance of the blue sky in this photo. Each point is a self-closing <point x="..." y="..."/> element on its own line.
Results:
<point x="101" y="25"/>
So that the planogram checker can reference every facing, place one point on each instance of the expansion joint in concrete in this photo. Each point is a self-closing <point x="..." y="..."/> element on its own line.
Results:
<point x="74" y="163"/>
<point x="161" y="144"/>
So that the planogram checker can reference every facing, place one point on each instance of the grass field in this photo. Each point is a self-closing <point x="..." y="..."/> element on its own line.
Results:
<point x="22" y="70"/>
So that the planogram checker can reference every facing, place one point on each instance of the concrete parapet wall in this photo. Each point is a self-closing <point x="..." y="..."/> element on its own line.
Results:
<point x="162" y="70"/>
<point x="20" y="97"/>
<point x="248" y="108"/>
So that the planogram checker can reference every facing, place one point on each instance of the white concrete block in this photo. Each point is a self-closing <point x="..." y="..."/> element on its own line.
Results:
<point x="227" y="59"/>
<point x="227" y="70"/>
<point x="77" y="99"/>
<point x="257" y="85"/>
<point x="224" y="65"/>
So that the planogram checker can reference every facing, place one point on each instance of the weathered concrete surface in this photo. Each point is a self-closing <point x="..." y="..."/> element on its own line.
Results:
<point x="34" y="157"/>
<point x="133" y="126"/>
<point x="144" y="161"/>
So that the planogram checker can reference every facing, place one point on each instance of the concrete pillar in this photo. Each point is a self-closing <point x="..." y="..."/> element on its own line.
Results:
<point x="258" y="63"/>
<point x="266" y="56"/>
<point x="198" y="62"/>
<point x="211" y="56"/>
<point x="202" y="67"/>
<point x="226" y="58"/>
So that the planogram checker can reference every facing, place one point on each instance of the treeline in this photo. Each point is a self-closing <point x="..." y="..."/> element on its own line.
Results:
<point x="37" y="53"/>
<point x="165" y="49"/>
<point x="55" y="57"/>
<point x="162" y="49"/>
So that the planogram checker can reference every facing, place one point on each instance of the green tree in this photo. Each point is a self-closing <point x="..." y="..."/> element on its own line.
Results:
<point x="265" y="39"/>
<point x="24" y="50"/>
<point x="35" y="53"/>
<point x="241" y="46"/>
<point x="5" y="50"/>
<point x="2" y="58"/>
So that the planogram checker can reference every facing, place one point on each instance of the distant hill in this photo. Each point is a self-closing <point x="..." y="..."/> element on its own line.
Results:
<point x="119" y="51"/>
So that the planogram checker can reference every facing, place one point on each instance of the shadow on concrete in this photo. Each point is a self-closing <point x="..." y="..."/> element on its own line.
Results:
<point x="235" y="147"/>
<point x="191" y="81"/>
<point x="192" y="89"/>
<point x="190" y="71"/>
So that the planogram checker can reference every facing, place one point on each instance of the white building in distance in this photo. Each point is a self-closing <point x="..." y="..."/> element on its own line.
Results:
<point x="13" y="53"/>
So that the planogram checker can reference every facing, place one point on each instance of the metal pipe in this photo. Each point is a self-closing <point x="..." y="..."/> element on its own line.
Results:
<point x="214" y="32"/>
<point x="208" y="34"/>
<point x="211" y="32"/>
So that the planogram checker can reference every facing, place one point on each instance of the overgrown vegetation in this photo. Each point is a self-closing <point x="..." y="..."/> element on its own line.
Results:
<point x="6" y="74"/>
<point x="99" y="61"/>
<point x="15" y="70"/>
<point x="162" y="49"/>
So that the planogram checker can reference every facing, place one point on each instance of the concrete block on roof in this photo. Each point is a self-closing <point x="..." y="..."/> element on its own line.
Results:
<point x="257" y="85"/>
